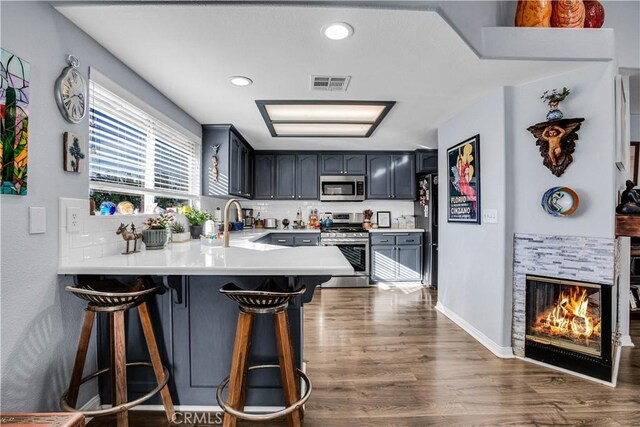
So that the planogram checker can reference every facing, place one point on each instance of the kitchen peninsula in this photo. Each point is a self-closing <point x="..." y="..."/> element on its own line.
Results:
<point x="195" y="324"/>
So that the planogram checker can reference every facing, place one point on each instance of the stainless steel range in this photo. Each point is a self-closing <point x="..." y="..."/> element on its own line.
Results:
<point x="353" y="241"/>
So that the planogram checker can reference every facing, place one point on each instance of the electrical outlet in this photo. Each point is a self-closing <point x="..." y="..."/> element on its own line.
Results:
<point x="73" y="219"/>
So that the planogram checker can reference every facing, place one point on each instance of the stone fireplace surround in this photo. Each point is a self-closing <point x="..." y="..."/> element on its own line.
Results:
<point x="585" y="259"/>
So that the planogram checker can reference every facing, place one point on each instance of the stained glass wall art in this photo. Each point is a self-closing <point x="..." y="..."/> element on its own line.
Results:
<point x="14" y="119"/>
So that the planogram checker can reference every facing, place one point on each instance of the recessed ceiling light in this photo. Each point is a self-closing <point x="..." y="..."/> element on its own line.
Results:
<point x="337" y="30"/>
<point x="355" y="119"/>
<point x="240" y="80"/>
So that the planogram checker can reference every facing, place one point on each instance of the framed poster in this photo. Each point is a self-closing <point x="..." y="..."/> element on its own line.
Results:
<point x="463" y="162"/>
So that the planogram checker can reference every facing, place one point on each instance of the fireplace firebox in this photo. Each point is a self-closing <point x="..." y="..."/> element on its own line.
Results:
<point x="569" y="325"/>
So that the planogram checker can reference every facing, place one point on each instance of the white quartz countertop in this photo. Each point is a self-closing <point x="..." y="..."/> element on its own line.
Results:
<point x="396" y="230"/>
<point x="244" y="257"/>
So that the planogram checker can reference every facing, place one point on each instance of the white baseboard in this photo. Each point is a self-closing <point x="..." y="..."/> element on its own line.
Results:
<point x="502" y="352"/>
<point x="625" y="341"/>
<point x="92" y="404"/>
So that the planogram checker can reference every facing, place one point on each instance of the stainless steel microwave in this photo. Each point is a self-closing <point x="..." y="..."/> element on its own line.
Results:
<point x="340" y="188"/>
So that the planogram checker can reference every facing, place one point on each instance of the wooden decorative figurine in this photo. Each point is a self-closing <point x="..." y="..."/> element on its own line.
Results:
<point x="128" y="236"/>
<point x="557" y="136"/>
<point x="536" y="13"/>
<point x="568" y="14"/>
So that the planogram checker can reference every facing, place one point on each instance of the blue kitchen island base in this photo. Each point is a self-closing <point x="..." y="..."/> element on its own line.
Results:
<point x="195" y="330"/>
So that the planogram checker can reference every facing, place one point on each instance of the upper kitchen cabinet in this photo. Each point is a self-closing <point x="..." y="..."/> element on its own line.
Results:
<point x="343" y="164"/>
<point x="227" y="162"/>
<point x="265" y="176"/>
<point x="391" y="176"/>
<point x="427" y="161"/>
<point x="286" y="176"/>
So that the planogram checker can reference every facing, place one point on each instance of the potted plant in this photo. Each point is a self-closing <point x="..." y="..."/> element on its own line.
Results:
<point x="155" y="235"/>
<point x="553" y="98"/>
<point x="179" y="233"/>
<point x="197" y="218"/>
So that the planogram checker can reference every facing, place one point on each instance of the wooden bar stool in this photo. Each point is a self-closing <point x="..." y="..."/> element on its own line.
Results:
<point x="263" y="300"/>
<point x="114" y="298"/>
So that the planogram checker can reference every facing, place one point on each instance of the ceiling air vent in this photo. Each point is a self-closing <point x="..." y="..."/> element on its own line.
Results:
<point x="330" y="83"/>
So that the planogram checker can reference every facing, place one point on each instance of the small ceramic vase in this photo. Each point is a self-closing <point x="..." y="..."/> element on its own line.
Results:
<point x="594" y="14"/>
<point x="535" y="13"/>
<point x="568" y="14"/>
<point x="554" y="112"/>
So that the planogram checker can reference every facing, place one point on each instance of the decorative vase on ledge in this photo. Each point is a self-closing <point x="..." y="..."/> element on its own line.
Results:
<point x="536" y="13"/>
<point x="154" y="239"/>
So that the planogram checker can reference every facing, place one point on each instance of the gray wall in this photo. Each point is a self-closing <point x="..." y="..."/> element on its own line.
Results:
<point x="592" y="173"/>
<point x="472" y="280"/>
<point x="41" y="322"/>
<point x="475" y="261"/>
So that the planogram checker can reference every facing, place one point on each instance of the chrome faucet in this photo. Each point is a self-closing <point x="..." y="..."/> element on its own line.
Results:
<point x="225" y="239"/>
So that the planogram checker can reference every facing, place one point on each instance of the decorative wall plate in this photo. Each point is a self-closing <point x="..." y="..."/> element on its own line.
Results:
<point x="560" y="201"/>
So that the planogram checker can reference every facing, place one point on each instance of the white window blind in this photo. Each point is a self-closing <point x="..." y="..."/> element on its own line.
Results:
<point x="133" y="151"/>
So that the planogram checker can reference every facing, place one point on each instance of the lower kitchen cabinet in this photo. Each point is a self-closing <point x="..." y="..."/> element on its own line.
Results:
<point x="396" y="257"/>
<point x="292" y="239"/>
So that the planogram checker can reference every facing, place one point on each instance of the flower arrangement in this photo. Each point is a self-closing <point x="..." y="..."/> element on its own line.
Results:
<point x="554" y="97"/>
<point x="196" y="217"/>
<point x="160" y="222"/>
<point x="368" y="214"/>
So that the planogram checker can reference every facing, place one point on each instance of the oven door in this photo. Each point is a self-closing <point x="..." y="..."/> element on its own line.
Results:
<point x="341" y="188"/>
<point x="357" y="254"/>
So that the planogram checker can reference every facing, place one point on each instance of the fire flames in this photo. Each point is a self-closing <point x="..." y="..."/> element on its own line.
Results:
<point x="571" y="317"/>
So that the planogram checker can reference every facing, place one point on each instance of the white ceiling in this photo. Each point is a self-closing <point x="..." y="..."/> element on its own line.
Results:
<point x="411" y="57"/>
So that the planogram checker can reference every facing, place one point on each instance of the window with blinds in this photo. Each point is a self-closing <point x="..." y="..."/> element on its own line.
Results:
<point x="131" y="151"/>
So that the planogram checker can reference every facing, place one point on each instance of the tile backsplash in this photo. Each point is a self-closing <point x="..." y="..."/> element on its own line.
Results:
<point x="97" y="236"/>
<point x="287" y="209"/>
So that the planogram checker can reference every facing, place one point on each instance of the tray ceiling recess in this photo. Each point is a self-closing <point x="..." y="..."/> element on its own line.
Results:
<point x="331" y="119"/>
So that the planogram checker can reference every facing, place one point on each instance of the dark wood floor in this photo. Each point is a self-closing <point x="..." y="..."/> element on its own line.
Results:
<point x="386" y="357"/>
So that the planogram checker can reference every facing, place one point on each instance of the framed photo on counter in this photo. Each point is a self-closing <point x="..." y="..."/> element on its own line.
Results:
<point x="463" y="164"/>
<point x="384" y="219"/>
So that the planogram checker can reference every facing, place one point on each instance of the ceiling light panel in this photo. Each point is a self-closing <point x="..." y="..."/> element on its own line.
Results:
<point x="355" y="119"/>
<point x="321" y="129"/>
<point x="339" y="113"/>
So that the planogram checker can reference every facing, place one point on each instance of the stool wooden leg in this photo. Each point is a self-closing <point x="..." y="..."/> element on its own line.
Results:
<point x="152" y="345"/>
<point x="287" y="365"/>
<point x="81" y="356"/>
<point x="239" y="365"/>
<point x="119" y="365"/>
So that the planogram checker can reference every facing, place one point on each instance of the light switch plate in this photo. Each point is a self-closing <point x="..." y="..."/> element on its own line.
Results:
<point x="490" y="216"/>
<point x="73" y="219"/>
<point x="37" y="220"/>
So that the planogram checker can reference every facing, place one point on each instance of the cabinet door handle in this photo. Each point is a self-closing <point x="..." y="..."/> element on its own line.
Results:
<point x="272" y="196"/>
<point x="282" y="241"/>
<point x="306" y="241"/>
<point x="384" y="241"/>
<point x="409" y="240"/>
<point x="299" y="196"/>
<point x="293" y="197"/>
